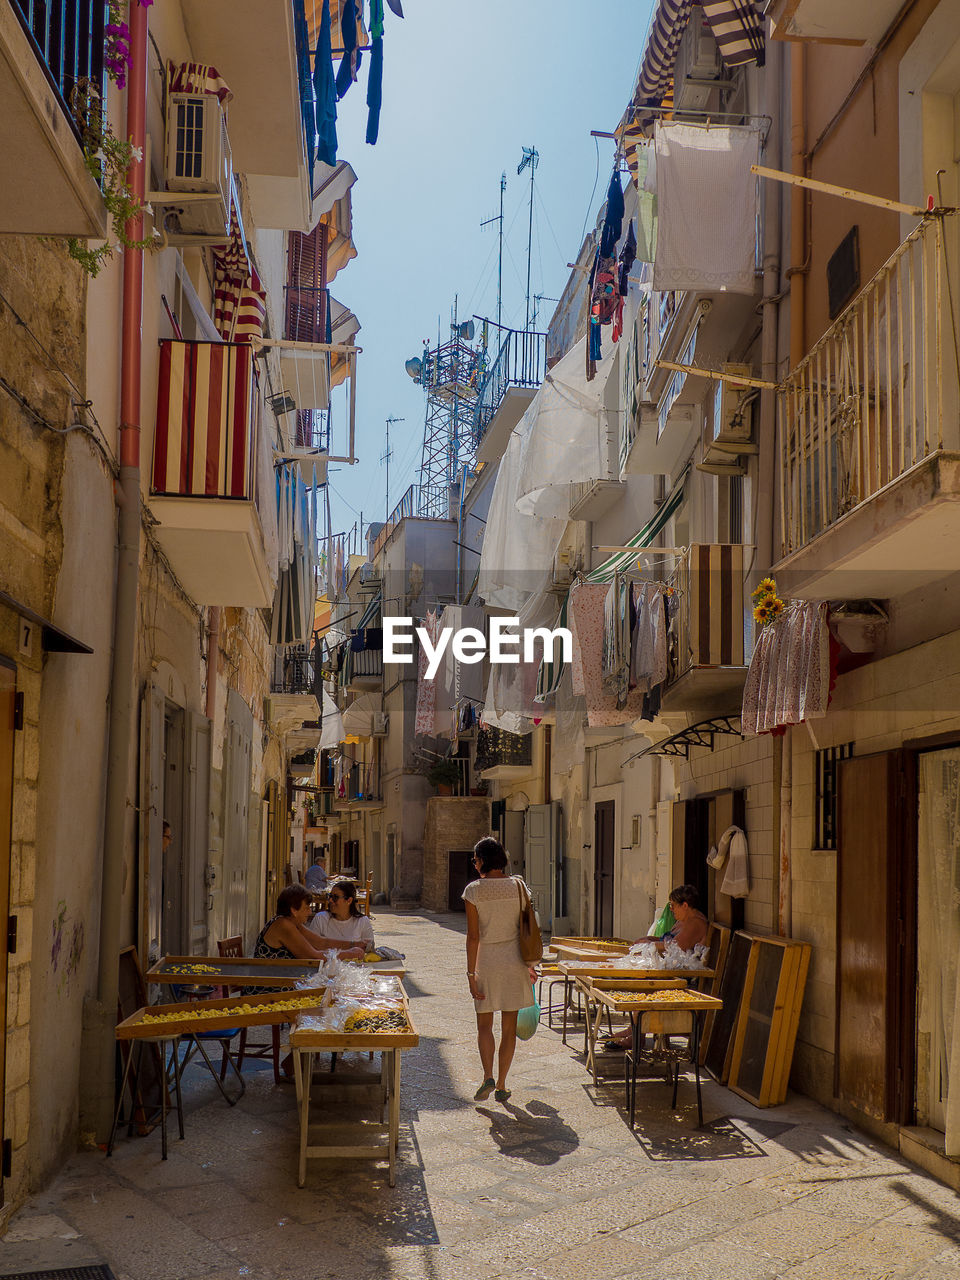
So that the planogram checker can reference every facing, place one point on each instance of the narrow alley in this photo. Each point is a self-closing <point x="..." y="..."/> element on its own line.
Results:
<point x="551" y="1185"/>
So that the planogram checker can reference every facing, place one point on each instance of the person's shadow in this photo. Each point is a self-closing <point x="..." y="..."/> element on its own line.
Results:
<point x="537" y="1134"/>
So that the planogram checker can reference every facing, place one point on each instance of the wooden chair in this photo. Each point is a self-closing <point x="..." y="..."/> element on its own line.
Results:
<point x="233" y="948"/>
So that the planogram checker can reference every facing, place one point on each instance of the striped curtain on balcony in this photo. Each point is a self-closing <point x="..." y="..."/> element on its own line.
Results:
<point x="197" y="77"/>
<point x="622" y="561"/>
<point x="239" y="303"/>
<point x="206" y="420"/>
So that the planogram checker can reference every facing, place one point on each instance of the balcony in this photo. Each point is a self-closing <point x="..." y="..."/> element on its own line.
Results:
<point x="852" y="22"/>
<point x="507" y="389"/>
<point x="362" y="787"/>
<point x="362" y="669"/>
<point x="709" y="636"/>
<point x="295" y="689"/>
<point x="306" y="371"/>
<point x="204" y="491"/>
<point x="45" y="49"/>
<point x="869" y="435"/>
<point x="253" y="45"/>
<point x="503" y="756"/>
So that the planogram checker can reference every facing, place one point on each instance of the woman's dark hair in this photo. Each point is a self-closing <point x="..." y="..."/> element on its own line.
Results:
<point x="349" y="891"/>
<point x="293" y="896"/>
<point x="490" y="855"/>
<point x="685" y="893"/>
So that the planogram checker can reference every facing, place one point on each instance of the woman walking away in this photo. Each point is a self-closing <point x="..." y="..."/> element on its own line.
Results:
<point x="498" y="975"/>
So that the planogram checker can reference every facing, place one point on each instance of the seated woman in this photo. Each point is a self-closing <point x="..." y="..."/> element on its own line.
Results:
<point x="342" y="924"/>
<point x="286" y="936"/>
<point x="689" y="931"/>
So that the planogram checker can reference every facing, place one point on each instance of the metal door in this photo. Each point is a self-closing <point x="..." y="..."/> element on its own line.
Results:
<point x="538" y="859"/>
<point x="604" y="813"/>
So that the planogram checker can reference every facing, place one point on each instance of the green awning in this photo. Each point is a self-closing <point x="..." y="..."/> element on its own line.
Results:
<point x="623" y="560"/>
<point x="551" y="673"/>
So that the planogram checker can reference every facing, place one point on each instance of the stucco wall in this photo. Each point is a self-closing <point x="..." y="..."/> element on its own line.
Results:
<point x="452" y="822"/>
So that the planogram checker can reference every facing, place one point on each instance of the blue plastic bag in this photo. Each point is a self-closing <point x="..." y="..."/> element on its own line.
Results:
<point x="528" y="1019"/>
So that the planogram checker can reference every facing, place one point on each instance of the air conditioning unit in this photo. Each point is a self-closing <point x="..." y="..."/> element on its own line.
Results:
<point x="381" y="723"/>
<point x="698" y="60"/>
<point x="732" y="417"/>
<point x="199" y="161"/>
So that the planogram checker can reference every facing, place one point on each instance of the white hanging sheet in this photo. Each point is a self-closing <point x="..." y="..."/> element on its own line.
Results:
<point x="707" y="205"/>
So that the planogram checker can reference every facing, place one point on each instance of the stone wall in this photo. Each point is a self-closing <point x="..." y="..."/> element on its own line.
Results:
<point x="452" y="823"/>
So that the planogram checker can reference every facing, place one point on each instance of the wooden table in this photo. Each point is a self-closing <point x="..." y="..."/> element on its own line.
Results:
<point x="661" y="1009"/>
<point x="240" y="971"/>
<point x="574" y="969"/>
<point x="306" y="1043"/>
<point x="601" y="949"/>
<point x="593" y="988"/>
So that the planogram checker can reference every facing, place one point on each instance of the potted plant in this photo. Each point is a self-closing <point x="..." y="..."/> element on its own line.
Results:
<point x="444" y="775"/>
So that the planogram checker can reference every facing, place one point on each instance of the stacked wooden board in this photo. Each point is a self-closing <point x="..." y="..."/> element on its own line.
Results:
<point x="751" y="1040"/>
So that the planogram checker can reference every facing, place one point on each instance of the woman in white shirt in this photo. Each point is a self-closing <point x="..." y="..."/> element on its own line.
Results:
<point x="343" y="921"/>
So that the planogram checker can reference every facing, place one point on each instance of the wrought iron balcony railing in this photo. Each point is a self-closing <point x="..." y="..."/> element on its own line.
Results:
<point x="521" y="362"/>
<point x="878" y="393"/>
<point x="68" y="37"/>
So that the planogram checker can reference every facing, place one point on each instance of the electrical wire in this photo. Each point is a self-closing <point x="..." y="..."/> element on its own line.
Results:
<point x="596" y="179"/>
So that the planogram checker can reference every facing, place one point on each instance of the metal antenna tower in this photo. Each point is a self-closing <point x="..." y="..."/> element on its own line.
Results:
<point x="450" y="373"/>
<point x="531" y="157"/>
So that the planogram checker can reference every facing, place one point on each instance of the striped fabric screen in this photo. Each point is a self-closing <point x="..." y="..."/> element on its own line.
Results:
<point x="197" y="77"/>
<point x="239" y="303"/>
<point x="737" y="28"/>
<point x="710" y="591"/>
<point x="206" y="420"/>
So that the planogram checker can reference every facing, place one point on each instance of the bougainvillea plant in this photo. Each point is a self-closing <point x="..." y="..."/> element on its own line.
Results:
<point x="116" y="48"/>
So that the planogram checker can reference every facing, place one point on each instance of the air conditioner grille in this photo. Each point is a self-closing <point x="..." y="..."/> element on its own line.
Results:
<point x="189" y="134"/>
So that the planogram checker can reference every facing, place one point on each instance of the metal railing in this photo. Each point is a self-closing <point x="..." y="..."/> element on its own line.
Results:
<point x="878" y="393"/>
<point x="68" y="37"/>
<point x="521" y="362"/>
<point x="707" y="621"/>
<point x="500" y="747"/>
<point x="297" y="670"/>
<point x="407" y="506"/>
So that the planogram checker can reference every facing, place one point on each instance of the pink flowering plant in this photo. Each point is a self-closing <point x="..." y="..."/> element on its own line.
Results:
<point x="116" y="49"/>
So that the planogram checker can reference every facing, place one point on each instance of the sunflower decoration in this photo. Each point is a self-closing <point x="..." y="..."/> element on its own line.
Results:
<point x="767" y="605"/>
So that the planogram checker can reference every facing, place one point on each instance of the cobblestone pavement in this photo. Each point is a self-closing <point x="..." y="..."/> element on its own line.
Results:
<point x="552" y="1185"/>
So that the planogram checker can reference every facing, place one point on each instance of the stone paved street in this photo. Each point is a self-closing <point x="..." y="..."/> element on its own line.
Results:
<point x="552" y="1185"/>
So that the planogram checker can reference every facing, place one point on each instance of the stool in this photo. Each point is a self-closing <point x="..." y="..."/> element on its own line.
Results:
<point x="162" y="1041"/>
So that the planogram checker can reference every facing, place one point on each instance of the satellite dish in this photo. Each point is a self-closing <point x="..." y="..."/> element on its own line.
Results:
<point x="466" y="331"/>
<point x="414" y="368"/>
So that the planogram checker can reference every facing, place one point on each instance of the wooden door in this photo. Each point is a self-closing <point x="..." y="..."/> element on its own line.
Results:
<point x="870" y="927"/>
<point x="604" y="853"/>
<point x="8" y="722"/>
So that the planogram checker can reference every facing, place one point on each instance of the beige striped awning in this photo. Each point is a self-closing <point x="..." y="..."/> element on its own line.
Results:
<point x="737" y="27"/>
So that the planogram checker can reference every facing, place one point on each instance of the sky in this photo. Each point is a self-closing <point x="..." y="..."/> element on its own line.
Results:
<point x="466" y="85"/>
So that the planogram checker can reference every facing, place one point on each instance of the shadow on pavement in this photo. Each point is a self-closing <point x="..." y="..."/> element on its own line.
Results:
<point x="538" y="1134"/>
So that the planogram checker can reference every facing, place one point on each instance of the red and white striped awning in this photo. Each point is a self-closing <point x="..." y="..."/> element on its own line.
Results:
<point x="206" y="420"/>
<point x="197" y="77"/>
<point x="239" y="303"/>
<point x="737" y="27"/>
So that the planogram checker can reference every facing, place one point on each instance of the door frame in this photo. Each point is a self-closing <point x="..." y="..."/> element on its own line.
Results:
<point x="6" y="843"/>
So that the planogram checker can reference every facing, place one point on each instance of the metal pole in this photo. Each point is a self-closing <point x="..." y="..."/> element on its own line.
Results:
<point x="100" y="1014"/>
<point x="503" y="187"/>
<point x="533" y="165"/>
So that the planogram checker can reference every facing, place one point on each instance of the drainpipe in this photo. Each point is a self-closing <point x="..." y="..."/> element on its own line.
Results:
<point x="772" y="227"/>
<point x="213" y="649"/>
<point x="100" y="1015"/>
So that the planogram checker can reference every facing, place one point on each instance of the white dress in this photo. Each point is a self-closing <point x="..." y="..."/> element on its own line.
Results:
<point x="356" y="929"/>
<point x="502" y="973"/>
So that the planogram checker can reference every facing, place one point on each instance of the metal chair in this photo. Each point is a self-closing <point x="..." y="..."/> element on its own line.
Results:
<point x="233" y="948"/>
<point x="197" y="1041"/>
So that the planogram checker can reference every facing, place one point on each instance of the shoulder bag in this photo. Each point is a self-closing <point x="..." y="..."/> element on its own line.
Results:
<point x="531" y="944"/>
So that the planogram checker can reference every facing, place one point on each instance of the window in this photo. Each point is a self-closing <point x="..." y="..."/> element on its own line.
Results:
<point x="825" y="800"/>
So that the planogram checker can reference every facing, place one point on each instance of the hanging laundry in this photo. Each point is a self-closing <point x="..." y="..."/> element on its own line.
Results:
<point x="586" y="625"/>
<point x="375" y="77"/>
<point x="628" y="255"/>
<point x="789" y="678"/>
<point x="396" y="6"/>
<point x="326" y="91"/>
<point x="708" y="205"/>
<point x="648" y="657"/>
<point x="613" y="219"/>
<point x="350" y="62"/>
<point x="736" y="880"/>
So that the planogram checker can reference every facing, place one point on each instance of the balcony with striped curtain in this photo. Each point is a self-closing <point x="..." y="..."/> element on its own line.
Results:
<point x="211" y="482"/>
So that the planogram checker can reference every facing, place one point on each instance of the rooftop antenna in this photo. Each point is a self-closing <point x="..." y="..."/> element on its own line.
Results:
<point x="385" y="457"/>
<point x="499" y="219"/>
<point x="531" y="157"/>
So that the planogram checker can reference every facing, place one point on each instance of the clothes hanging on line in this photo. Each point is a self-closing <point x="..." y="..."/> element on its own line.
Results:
<point x="648" y="654"/>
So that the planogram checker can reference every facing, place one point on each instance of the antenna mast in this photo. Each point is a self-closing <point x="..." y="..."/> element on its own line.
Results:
<point x="531" y="157"/>
<point x="385" y="457"/>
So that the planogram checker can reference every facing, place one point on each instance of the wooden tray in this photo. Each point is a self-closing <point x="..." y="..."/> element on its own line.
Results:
<point x="578" y="969"/>
<point x="309" y="1038"/>
<point x="242" y="971"/>
<point x="226" y="1014"/>
<point x="695" y="1000"/>
<point x="585" y="951"/>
